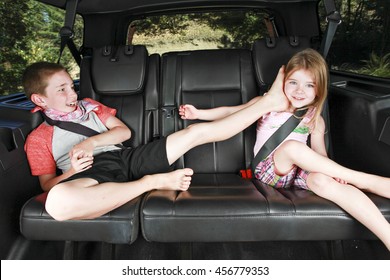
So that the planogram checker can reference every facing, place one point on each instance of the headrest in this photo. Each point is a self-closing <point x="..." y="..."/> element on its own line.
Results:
<point x="269" y="54"/>
<point x="119" y="70"/>
<point x="212" y="69"/>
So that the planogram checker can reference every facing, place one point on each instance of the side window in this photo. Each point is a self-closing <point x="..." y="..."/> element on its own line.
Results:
<point x="362" y="41"/>
<point x="216" y="30"/>
<point x="29" y="33"/>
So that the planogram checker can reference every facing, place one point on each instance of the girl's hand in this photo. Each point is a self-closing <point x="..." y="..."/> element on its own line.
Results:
<point x="80" y="161"/>
<point x="188" y="112"/>
<point x="341" y="181"/>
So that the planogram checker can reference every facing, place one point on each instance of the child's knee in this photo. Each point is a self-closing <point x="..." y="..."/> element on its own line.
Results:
<point x="55" y="203"/>
<point x="319" y="183"/>
<point x="290" y="145"/>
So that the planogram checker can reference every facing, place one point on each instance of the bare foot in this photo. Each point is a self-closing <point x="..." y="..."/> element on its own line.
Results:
<point x="276" y="97"/>
<point x="178" y="180"/>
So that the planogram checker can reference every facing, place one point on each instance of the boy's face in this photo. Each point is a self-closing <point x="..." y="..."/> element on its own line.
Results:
<point x="59" y="93"/>
<point x="300" y="88"/>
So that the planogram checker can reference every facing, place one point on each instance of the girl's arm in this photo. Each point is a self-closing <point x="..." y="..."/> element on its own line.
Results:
<point x="189" y="112"/>
<point x="318" y="138"/>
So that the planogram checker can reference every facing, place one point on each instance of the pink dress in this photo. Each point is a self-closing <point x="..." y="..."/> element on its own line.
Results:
<point x="265" y="170"/>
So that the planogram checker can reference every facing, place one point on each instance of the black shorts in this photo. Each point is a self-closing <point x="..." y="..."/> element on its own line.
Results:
<point x="128" y="164"/>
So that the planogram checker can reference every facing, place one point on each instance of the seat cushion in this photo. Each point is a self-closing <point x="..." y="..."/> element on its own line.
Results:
<point x="225" y="207"/>
<point x="119" y="226"/>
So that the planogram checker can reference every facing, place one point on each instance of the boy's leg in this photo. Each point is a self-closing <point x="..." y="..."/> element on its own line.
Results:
<point x="86" y="199"/>
<point x="292" y="153"/>
<point x="182" y="141"/>
<point x="353" y="201"/>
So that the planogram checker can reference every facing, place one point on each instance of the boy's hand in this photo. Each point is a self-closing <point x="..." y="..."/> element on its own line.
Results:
<point x="83" y="149"/>
<point x="81" y="156"/>
<point x="80" y="162"/>
<point x="276" y="96"/>
<point x="188" y="112"/>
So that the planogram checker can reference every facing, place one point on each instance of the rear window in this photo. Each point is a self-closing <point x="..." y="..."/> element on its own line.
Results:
<point x="213" y="30"/>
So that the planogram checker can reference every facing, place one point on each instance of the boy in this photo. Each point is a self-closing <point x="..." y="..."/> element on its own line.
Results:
<point x="97" y="176"/>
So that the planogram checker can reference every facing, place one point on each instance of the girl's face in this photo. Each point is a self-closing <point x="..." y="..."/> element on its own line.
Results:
<point x="300" y="88"/>
<point x="60" y="94"/>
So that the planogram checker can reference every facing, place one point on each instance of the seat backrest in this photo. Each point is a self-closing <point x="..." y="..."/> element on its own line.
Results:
<point x="125" y="78"/>
<point x="269" y="54"/>
<point x="208" y="79"/>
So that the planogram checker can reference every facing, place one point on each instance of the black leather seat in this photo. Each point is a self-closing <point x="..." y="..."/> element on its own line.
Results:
<point x="219" y="202"/>
<point x="123" y="78"/>
<point x="221" y="206"/>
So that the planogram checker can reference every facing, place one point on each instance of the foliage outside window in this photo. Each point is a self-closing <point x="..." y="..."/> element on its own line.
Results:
<point x="29" y="33"/>
<point x="362" y="42"/>
<point x="234" y="29"/>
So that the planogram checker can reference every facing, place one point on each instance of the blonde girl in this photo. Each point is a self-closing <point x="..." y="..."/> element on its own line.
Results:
<point x="293" y="162"/>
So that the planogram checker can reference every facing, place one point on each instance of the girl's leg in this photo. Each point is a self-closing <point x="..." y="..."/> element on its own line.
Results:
<point x="292" y="153"/>
<point x="353" y="201"/>
<point x="85" y="199"/>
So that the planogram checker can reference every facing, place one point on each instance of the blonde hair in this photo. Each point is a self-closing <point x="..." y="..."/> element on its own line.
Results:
<point x="312" y="61"/>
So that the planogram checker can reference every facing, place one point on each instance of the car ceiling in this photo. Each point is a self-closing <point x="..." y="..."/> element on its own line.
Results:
<point x="147" y="6"/>
<point x="106" y="21"/>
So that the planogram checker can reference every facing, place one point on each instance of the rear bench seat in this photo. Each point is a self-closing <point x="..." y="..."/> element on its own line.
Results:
<point x="126" y="79"/>
<point x="220" y="205"/>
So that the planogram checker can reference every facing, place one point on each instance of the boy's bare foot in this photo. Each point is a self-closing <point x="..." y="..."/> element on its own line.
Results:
<point x="275" y="96"/>
<point x="179" y="180"/>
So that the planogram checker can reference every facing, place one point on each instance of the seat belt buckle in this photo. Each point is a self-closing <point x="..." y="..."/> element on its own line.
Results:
<point x="246" y="173"/>
<point x="168" y="111"/>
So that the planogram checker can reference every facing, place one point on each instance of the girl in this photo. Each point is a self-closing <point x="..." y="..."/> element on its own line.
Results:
<point x="293" y="162"/>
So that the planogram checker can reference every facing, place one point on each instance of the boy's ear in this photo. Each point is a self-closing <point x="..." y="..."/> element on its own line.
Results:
<point x="38" y="100"/>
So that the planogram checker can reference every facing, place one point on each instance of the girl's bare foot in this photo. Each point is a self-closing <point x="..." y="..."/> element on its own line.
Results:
<point x="179" y="180"/>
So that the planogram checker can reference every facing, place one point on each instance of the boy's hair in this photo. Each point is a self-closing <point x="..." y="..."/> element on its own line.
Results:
<point x="312" y="61"/>
<point x="35" y="77"/>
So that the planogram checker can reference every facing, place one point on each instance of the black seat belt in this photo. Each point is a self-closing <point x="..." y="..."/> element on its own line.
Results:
<point x="333" y="18"/>
<point x="74" y="127"/>
<point x="66" y="32"/>
<point x="279" y="135"/>
<point x="71" y="126"/>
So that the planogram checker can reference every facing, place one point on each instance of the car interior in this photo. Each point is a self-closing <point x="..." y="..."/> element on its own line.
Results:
<point x="222" y="215"/>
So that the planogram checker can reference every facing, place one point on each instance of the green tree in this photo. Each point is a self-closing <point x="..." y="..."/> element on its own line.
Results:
<point x="362" y="37"/>
<point x="29" y="33"/>
<point x="13" y="43"/>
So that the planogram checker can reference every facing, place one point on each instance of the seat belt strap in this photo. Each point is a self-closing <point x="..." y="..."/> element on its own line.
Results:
<point x="277" y="138"/>
<point x="71" y="126"/>
<point x="333" y="19"/>
<point x="74" y="127"/>
<point x="169" y="106"/>
<point x="66" y="32"/>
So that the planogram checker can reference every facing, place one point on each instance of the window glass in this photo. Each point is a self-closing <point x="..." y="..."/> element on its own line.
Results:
<point x="362" y="41"/>
<point x="213" y="30"/>
<point x="29" y="33"/>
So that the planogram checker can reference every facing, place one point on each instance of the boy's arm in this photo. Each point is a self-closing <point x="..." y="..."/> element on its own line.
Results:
<point x="117" y="133"/>
<point x="78" y="164"/>
<point x="191" y="113"/>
